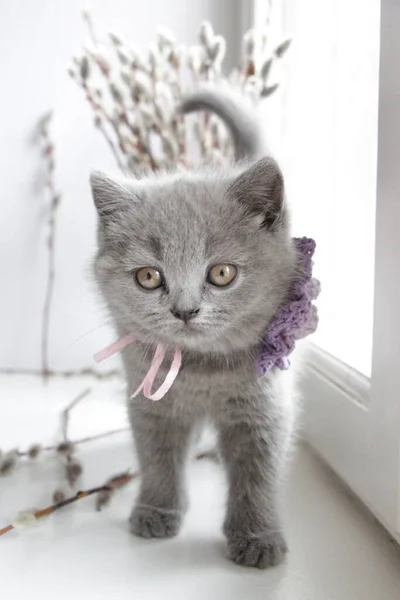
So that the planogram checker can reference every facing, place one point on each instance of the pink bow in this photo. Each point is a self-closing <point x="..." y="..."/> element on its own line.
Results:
<point x="151" y="374"/>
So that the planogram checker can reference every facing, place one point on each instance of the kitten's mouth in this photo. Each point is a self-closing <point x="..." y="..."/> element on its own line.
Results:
<point x="189" y="330"/>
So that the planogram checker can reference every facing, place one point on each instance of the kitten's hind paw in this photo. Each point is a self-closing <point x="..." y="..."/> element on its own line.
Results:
<point x="151" y="522"/>
<point x="262" y="551"/>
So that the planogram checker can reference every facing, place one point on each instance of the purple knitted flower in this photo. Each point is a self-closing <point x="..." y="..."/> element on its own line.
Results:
<point x="297" y="318"/>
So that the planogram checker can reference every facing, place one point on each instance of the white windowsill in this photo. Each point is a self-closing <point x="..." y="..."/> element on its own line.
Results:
<point x="79" y="553"/>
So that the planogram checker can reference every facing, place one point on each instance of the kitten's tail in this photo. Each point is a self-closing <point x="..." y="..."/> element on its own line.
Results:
<point x="240" y="119"/>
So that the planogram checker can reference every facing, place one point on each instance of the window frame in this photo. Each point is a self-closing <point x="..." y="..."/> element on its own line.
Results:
<point x="352" y="421"/>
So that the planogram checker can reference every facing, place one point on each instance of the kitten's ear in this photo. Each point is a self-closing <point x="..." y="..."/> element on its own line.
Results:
<point x="111" y="195"/>
<point x="260" y="189"/>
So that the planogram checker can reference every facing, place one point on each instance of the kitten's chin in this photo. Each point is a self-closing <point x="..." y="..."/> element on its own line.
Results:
<point x="204" y="342"/>
<point x="193" y="337"/>
<point x="190" y="338"/>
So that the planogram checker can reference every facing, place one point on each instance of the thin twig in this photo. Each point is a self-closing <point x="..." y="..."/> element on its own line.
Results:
<point x="112" y="146"/>
<point x="67" y="374"/>
<point x="67" y="411"/>
<point x="97" y="107"/>
<point x="78" y="442"/>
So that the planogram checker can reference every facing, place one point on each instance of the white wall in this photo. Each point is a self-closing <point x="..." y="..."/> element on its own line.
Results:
<point x="37" y="40"/>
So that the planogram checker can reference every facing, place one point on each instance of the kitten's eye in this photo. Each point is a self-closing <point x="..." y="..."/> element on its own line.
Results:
<point x="222" y="275"/>
<point x="149" y="278"/>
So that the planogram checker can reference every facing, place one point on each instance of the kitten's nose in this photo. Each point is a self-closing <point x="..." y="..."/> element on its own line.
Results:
<point x="185" y="315"/>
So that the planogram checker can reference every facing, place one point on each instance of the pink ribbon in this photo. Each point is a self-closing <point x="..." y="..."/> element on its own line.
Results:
<point x="151" y="374"/>
<point x="113" y="348"/>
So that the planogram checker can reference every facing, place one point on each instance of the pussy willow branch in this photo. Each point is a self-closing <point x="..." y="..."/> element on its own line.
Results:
<point x="113" y="484"/>
<point x="61" y="499"/>
<point x="134" y="96"/>
<point x="107" y="489"/>
<point x="48" y="150"/>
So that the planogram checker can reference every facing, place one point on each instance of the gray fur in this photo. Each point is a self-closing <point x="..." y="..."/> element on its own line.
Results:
<point x="183" y="224"/>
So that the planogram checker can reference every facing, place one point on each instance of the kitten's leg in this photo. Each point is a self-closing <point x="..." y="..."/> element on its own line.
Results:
<point x="253" y="449"/>
<point x="162" y="445"/>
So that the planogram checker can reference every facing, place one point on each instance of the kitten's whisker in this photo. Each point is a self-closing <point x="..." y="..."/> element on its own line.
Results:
<point x="81" y="337"/>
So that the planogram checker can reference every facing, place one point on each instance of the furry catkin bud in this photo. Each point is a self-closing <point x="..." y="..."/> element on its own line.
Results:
<point x="122" y="56"/>
<point x="61" y="493"/>
<point x="175" y="57"/>
<point x="102" y="63"/>
<point x="34" y="451"/>
<point x="265" y="69"/>
<point x="73" y="470"/>
<point x="126" y="76"/>
<point x="104" y="498"/>
<point x="24" y="519"/>
<point x="142" y="84"/>
<point x="164" y="94"/>
<point x="9" y="462"/>
<point x="84" y="68"/>
<point x="216" y="51"/>
<point x="165" y="37"/>
<point x="115" y="93"/>
<point x="206" y="34"/>
<point x="282" y="48"/>
<point x="170" y="146"/>
<point x="65" y="448"/>
<point x="154" y="56"/>
<point x="114" y="37"/>
<point x="137" y="60"/>
<point x="87" y="14"/>
<point x="163" y="111"/>
<point x="146" y="112"/>
<point x="44" y="122"/>
<point x="267" y="91"/>
<point x="249" y="44"/>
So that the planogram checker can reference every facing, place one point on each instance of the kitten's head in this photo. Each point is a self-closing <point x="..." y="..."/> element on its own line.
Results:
<point x="196" y="261"/>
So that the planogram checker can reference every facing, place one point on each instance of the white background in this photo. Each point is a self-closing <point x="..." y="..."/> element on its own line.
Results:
<point x="37" y="41"/>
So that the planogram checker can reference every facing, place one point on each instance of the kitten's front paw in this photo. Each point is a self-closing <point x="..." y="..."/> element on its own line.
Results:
<point x="152" y="522"/>
<point x="265" y="550"/>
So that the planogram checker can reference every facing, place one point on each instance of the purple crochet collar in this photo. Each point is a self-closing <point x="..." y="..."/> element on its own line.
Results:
<point x="297" y="318"/>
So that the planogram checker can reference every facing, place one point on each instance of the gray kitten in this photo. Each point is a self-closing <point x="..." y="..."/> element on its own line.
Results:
<point x="202" y="260"/>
